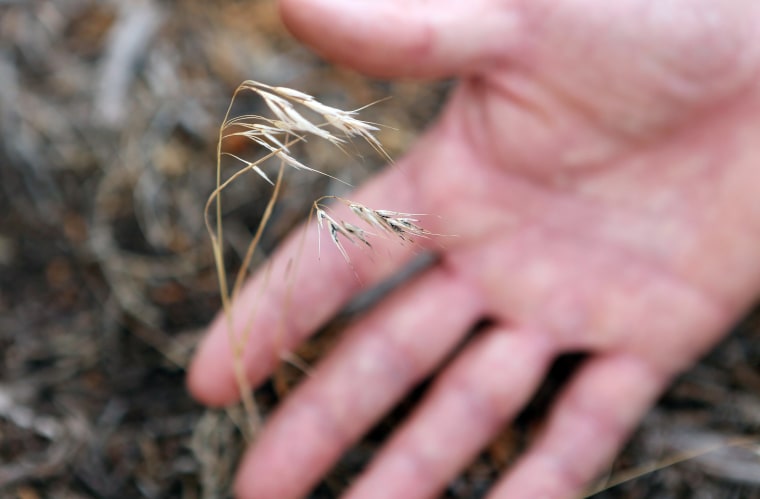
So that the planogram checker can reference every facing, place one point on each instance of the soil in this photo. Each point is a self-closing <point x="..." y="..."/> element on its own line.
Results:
<point x="109" y="114"/>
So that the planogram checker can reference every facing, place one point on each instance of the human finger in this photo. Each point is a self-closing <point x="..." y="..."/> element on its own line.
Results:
<point x="402" y="38"/>
<point x="587" y="426"/>
<point x="381" y="359"/>
<point x="304" y="284"/>
<point x="468" y="405"/>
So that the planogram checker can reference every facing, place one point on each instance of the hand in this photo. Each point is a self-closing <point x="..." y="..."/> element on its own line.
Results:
<point x="599" y="165"/>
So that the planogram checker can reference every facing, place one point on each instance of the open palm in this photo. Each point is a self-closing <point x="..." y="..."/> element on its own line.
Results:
<point x="597" y="164"/>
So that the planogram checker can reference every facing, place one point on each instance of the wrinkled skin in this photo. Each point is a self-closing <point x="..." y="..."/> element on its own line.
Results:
<point x="599" y="166"/>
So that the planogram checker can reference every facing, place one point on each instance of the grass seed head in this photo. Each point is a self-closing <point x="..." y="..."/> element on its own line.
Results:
<point x="401" y="226"/>
<point x="275" y="134"/>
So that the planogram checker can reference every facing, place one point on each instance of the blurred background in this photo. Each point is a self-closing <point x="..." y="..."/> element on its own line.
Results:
<point x="109" y="115"/>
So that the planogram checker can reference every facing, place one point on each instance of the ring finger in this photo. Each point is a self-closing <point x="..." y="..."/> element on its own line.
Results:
<point x="471" y="401"/>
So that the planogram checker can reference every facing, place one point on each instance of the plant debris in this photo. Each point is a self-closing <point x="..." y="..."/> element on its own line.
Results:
<point x="109" y="113"/>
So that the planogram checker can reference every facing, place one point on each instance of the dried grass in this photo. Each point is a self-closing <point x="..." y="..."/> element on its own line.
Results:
<point x="277" y="135"/>
<point x="107" y="280"/>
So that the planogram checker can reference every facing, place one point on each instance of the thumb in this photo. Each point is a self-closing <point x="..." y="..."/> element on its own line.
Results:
<point x="405" y="38"/>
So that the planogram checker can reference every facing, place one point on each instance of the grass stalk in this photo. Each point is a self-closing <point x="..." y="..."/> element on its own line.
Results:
<point x="275" y="136"/>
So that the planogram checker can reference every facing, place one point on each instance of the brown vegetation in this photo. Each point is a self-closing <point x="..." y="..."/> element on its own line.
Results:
<point x="109" y="113"/>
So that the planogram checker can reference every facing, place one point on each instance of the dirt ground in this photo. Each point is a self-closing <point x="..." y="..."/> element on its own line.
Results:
<point x="108" y="122"/>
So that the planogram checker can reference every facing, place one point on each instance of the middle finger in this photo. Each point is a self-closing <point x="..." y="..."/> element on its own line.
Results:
<point x="382" y="358"/>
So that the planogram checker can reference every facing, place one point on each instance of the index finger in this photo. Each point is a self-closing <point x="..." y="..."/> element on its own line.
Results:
<point x="300" y="289"/>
